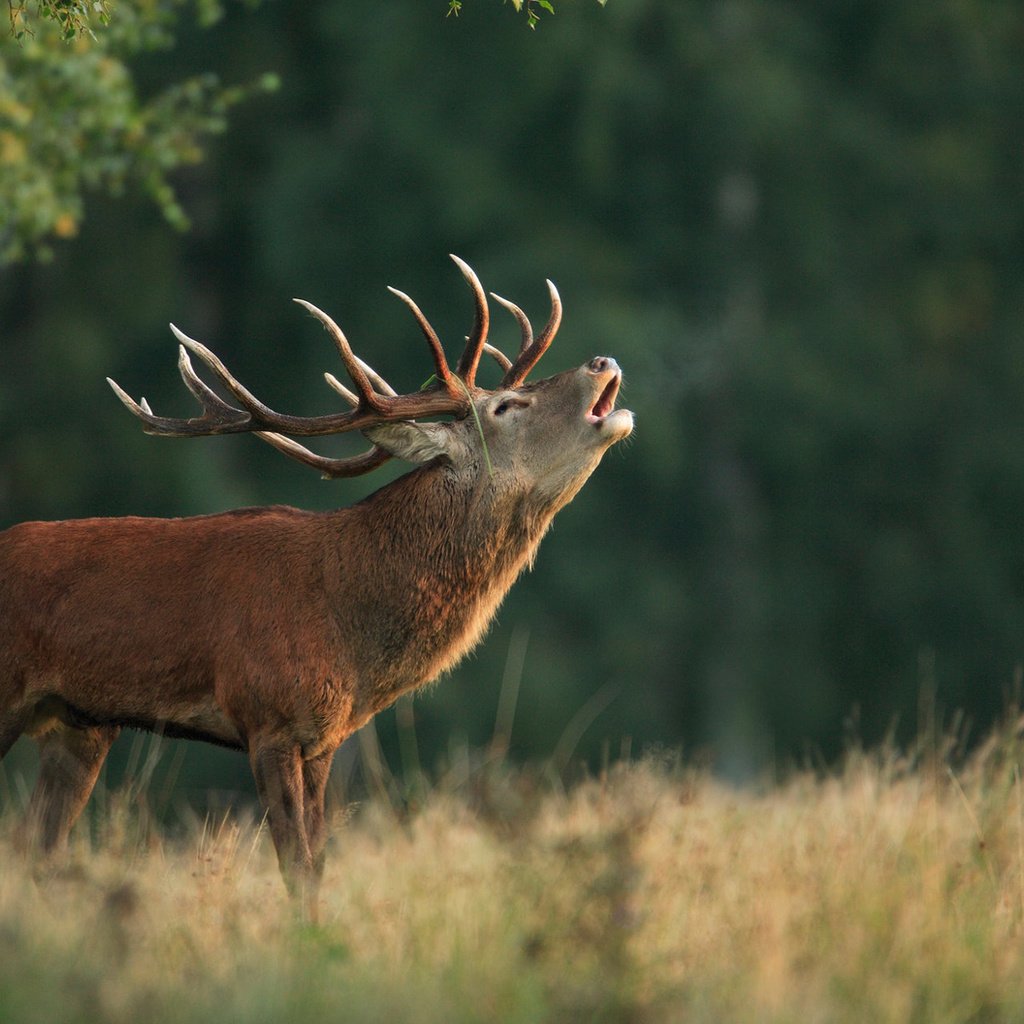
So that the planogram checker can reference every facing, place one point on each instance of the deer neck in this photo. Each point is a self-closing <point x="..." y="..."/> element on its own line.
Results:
<point x="435" y="556"/>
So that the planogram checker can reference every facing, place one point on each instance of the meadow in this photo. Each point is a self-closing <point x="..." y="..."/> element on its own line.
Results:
<point x="890" y="888"/>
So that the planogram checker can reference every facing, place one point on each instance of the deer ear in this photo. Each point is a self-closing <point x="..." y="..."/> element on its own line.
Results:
<point x="414" y="442"/>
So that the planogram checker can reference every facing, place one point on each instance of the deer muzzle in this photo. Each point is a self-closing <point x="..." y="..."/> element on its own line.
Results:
<point x="612" y="422"/>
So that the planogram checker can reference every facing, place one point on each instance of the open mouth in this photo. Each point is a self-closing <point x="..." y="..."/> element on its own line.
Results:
<point x="606" y="401"/>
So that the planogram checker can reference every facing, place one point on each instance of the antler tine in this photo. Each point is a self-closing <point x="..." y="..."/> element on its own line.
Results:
<point x="218" y="417"/>
<point x="206" y="397"/>
<point x="350" y="396"/>
<point x="353" y="365"/>
<point x="524" y="323"/>
<point x="330" y="469"/>
<point x="470" y="359"/>
<point x="444" y="374"/>
<point x="499" y="357"/>
<point x="529" y="358"/>
<point x="375" y="378"/>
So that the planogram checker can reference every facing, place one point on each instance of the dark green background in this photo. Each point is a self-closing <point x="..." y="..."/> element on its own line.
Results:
<point x="799" y="226"/>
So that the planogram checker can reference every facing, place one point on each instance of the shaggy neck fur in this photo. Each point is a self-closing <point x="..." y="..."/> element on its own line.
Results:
<point x="461" y="542"/>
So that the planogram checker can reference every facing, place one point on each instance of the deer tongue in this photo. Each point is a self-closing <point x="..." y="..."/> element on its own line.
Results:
<point x="606" y="401"/>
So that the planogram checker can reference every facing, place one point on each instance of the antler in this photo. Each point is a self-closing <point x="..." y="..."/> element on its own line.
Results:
<point x="373" y="401"/>
<point x="530" y="351"/>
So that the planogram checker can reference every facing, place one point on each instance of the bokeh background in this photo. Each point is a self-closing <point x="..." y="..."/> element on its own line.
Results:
<point x="799" y="226"/>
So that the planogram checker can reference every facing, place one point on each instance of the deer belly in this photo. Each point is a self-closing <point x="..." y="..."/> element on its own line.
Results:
<point x="196" y="720"/>
<point x="202" y="720"/>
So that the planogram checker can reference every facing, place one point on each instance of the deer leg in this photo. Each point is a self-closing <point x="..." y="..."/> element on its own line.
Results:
<point x="278" y="774"/>
<point x="69" y="764"/>
<point x="315" y="774"/>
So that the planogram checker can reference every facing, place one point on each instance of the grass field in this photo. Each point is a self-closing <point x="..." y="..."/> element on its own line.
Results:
<point x="889" y="890"/>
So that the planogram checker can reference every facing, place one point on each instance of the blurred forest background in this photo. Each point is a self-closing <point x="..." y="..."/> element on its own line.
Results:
<point x="799" y="226"/>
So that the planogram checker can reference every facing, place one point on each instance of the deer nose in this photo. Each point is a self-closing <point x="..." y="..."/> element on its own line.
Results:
<point x="601" y="363"/>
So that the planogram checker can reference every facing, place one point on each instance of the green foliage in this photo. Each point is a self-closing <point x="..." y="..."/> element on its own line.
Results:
<point x="530" y="7"/>
<point x="74" y="17"/>
<point x="72" y="119"/>
<point x="71" y="16"/>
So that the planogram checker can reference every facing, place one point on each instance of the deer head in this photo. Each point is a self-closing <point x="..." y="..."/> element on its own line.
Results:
<point x="545" y="436"/>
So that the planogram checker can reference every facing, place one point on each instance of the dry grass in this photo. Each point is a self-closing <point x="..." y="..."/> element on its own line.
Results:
<point x="890" y="891"/>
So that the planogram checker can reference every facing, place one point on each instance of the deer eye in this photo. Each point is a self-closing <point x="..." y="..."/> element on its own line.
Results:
<point x="507" y="404"/>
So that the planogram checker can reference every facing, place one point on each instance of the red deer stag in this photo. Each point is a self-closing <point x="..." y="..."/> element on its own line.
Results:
<point x="280" y="632"/>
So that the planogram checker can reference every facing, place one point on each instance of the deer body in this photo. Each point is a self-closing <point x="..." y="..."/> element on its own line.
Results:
<point x="280" y="632"/>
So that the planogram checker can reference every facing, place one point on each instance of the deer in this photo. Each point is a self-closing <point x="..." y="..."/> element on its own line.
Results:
<point x="279" y="632"/>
